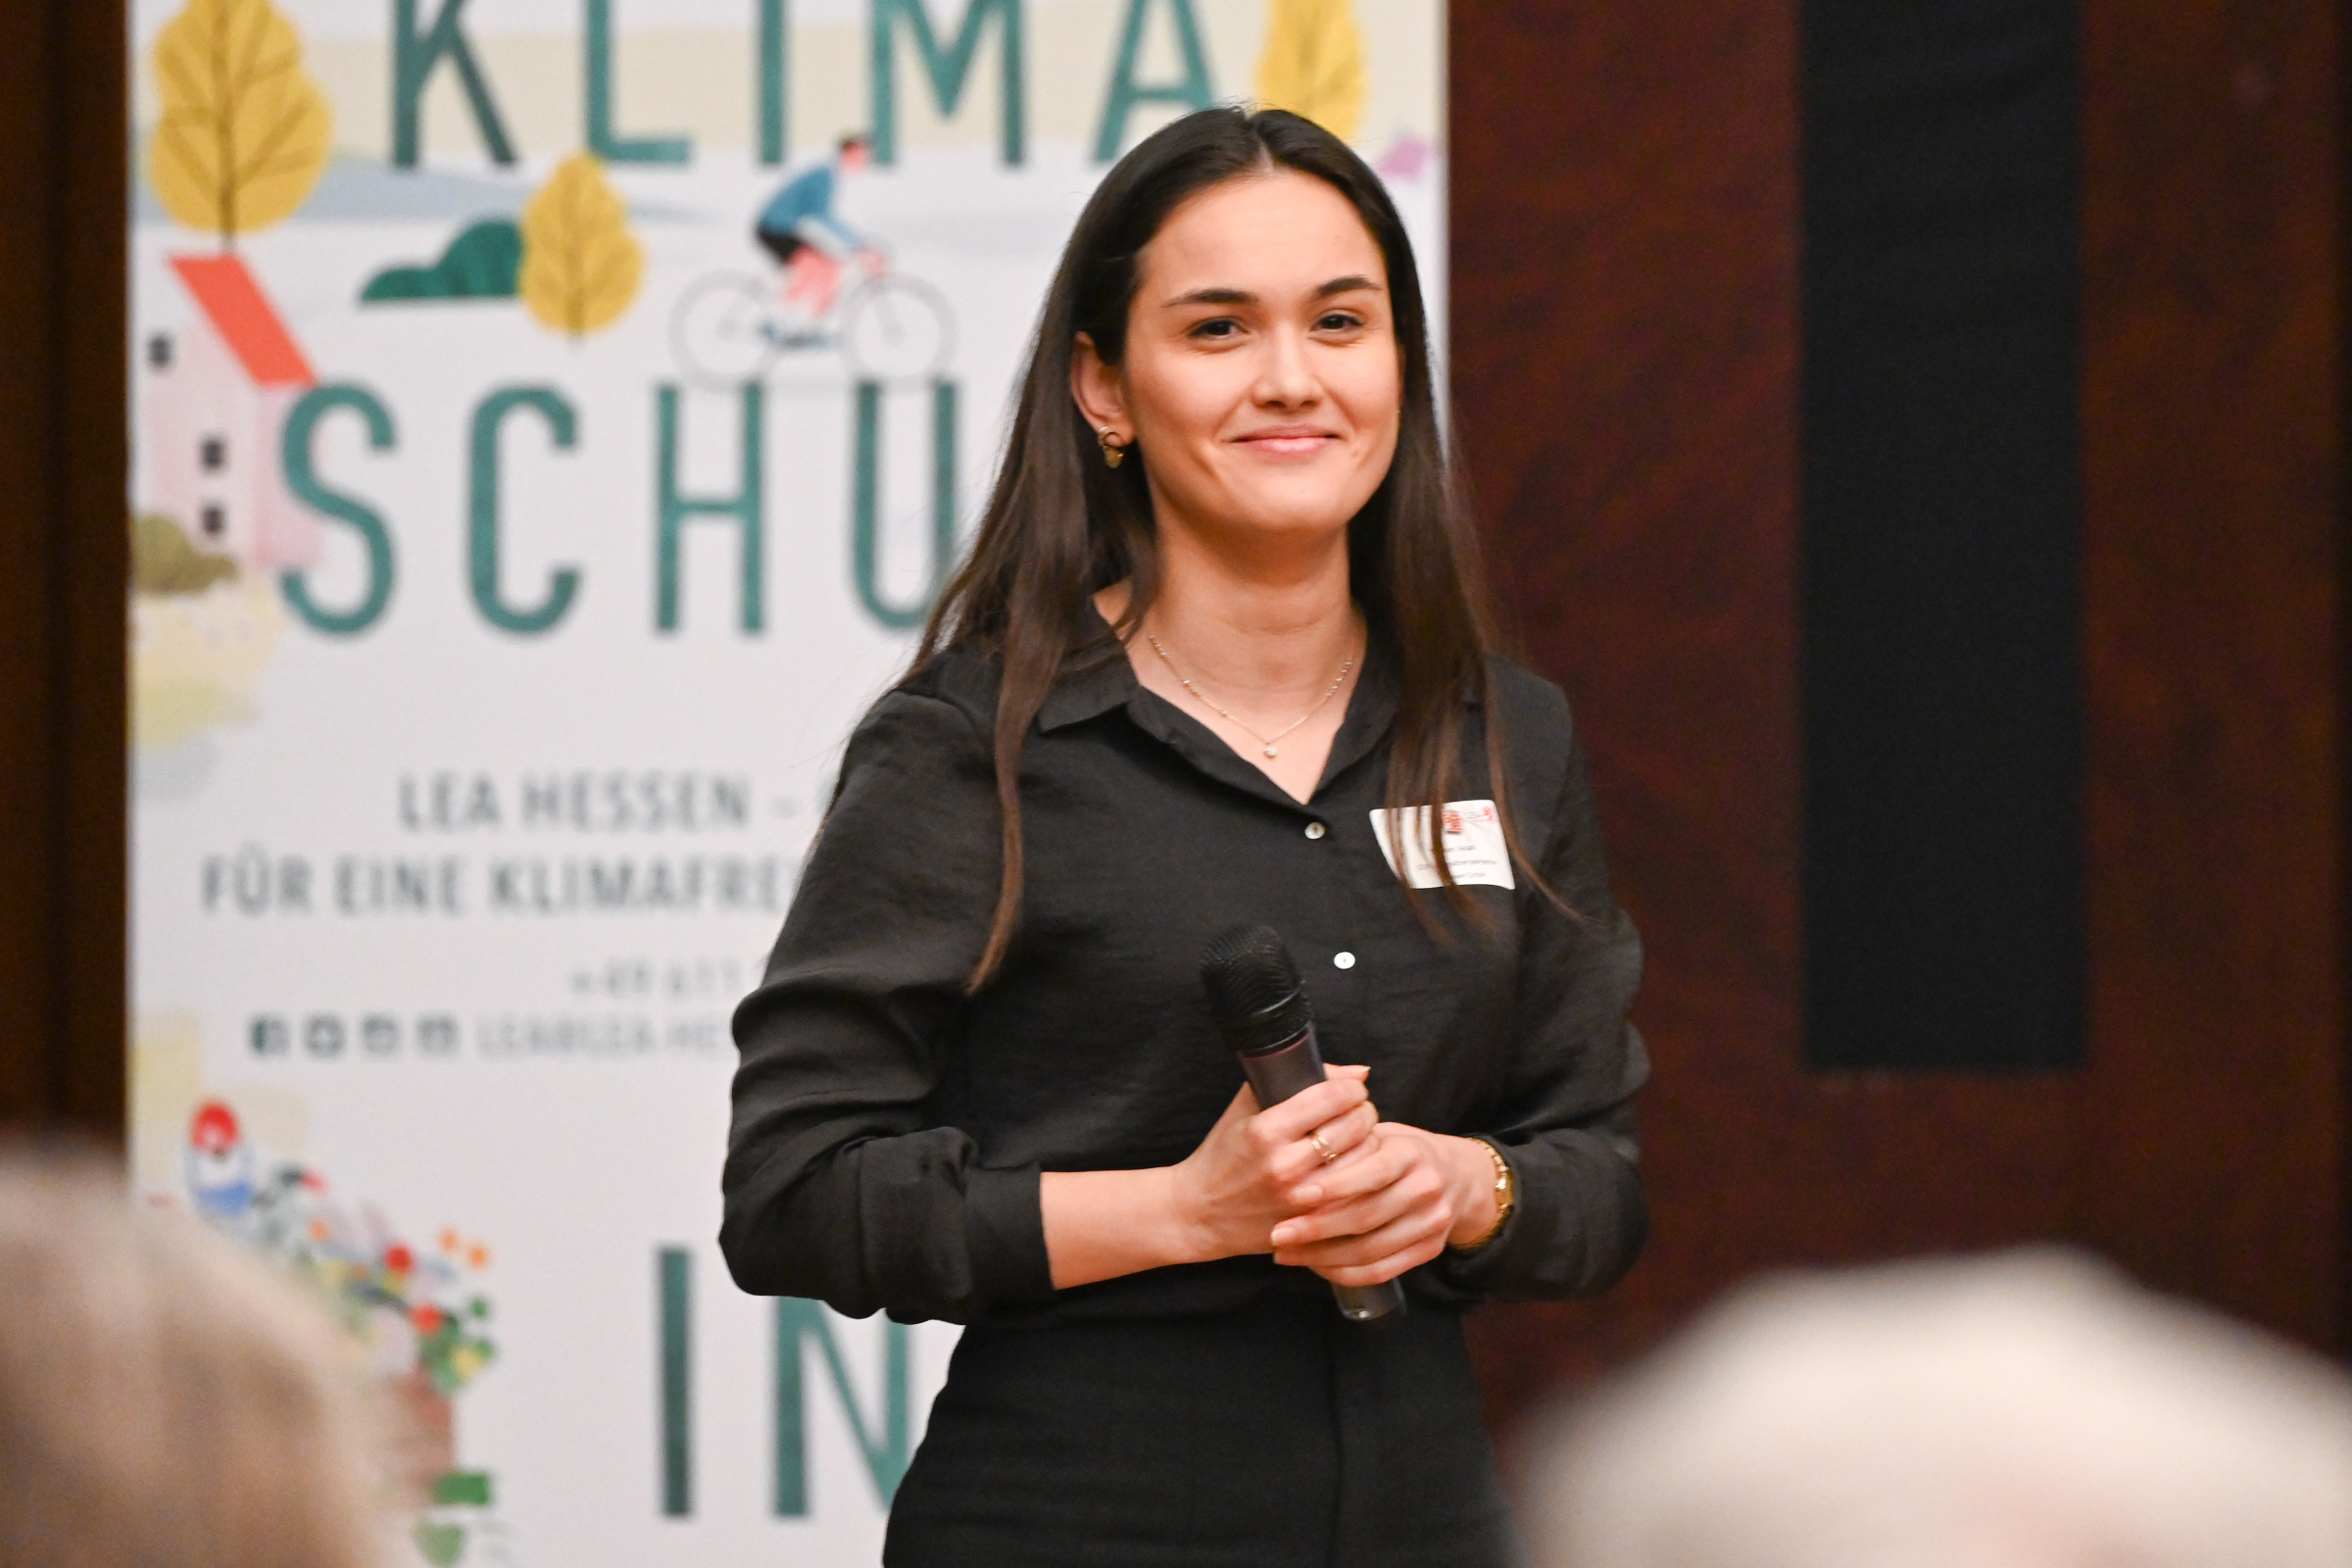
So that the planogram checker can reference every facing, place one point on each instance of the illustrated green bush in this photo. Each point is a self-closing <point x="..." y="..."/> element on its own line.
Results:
<point x="480" y="263"/>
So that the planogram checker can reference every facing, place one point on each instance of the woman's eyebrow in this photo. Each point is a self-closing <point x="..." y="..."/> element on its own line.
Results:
<point x="1348" y="285"/>
<point x="1213" y="296"/>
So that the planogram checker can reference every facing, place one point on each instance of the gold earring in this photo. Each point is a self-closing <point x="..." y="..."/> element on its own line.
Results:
<point x="1113" y="451"/>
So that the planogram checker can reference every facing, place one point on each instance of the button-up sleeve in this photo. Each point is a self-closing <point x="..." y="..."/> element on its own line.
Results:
<point x="1564" y="1119"/>
<point x="837" y="1185"/>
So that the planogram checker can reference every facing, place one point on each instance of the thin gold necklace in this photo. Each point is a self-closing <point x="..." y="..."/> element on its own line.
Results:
<point x="1266" y="741"/>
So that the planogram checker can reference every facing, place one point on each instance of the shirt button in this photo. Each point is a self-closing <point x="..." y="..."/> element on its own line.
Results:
<point x="1314" y="830"/>
<point x="1343" y="960"/>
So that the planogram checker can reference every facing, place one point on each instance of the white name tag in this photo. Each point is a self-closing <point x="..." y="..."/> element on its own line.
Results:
<point x="1475" y="851"/>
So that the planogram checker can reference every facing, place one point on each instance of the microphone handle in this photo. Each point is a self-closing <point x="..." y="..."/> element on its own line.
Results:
<point x="1275" y="1076"/>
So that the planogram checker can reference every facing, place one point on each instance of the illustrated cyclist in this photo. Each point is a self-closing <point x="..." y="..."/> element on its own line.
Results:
<point x="730" y="326"/>
<point x="799" y="227"/>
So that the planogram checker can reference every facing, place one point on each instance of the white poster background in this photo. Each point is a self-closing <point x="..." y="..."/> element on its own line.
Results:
<point x="551" y="1085"/>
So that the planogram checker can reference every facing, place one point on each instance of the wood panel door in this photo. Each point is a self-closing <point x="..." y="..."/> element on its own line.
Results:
<point x="1625" y="336"/>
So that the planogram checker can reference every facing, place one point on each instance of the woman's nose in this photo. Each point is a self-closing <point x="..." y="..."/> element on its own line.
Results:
<point x="1286" y="377"/>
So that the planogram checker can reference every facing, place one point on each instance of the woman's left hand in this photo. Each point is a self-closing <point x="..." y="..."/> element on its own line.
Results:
<point x="1394" y="1202"/>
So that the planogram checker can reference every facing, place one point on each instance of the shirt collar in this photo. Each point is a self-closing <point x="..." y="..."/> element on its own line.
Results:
<point x="1096" y="689"/>
<point x="1089" y="692"/>
<point x="1371" y="710"/>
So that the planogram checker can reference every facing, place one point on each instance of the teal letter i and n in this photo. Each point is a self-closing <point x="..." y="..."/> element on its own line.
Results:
<point x="886" y="1445"/>
<point x="886" y="1452"/>
<point x="673" y="1285"/>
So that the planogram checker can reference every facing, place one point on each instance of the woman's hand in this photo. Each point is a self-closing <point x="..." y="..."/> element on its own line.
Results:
<point x="1259" y="1168"/>
<point x="1403" y="1196"/>
<point x="1387" y="1198"/>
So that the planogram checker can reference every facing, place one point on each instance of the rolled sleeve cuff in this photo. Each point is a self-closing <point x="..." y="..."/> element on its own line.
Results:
<point x="1578" y="1225"/>
<point x="1004" y="1234"/>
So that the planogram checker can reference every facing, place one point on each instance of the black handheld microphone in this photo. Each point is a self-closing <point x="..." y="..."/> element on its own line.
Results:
<point x="1260" y="1006"/>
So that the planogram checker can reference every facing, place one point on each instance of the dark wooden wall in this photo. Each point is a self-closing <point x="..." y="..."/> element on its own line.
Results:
<point x="1624" y="330"/>
<point x="63" y="565"/>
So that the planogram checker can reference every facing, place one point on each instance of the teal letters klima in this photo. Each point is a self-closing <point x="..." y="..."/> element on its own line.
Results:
<point x="1193" y="89"/>
<point x="481" y="538"/>
<point x="886" y="1456"/>
<point x="947" y="68"/>
<point x="602" y="140"/>
<point x="413" y="61"/>
<point x="302" y="477"/>
<point x="745" y="507"/>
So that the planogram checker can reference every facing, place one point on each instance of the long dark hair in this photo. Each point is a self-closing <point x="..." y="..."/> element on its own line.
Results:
<point x="1060" y="523"/>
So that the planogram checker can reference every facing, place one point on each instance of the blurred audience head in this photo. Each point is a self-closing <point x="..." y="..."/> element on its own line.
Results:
<point x="2026" y="1411"/>
<point x="164" y="1399"/>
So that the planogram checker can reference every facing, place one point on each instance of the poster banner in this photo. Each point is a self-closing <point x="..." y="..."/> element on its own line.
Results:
<point x="551" y="419"/>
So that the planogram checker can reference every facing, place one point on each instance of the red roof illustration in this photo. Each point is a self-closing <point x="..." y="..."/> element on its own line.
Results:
<point x="245" y="318"/>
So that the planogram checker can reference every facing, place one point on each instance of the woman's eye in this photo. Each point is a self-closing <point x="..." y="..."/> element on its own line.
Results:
<point x="1219" y="326"/>
<point x="1337" y="321"/>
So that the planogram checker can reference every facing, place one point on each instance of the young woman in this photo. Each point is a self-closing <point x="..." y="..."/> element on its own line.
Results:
<point x="1217" y="656"/>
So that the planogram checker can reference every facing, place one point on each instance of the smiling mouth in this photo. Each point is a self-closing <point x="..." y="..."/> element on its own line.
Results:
<point x="1287" y="441"/>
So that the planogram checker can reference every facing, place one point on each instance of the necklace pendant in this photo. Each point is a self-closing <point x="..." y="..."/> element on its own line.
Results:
<point x="1272" y="753"/>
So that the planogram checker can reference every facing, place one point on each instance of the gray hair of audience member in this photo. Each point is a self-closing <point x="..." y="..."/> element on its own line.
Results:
<point x="167" y="1400"/>
<point x="2031" y="1410"/>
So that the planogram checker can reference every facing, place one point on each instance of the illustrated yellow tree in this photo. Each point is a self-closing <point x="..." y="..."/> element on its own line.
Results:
<point x="580" y="263"/>
<point x="244" y="131"/>
<point x="1313" y="63"/>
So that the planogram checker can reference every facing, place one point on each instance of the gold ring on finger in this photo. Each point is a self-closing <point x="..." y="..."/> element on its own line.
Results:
<point x="1323" y="1148"/>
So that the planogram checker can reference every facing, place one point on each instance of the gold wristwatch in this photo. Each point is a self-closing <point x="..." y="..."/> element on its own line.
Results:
<point x="1503" y="1197"/>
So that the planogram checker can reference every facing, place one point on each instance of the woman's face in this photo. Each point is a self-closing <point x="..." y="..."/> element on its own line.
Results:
<point x="1262" y="380"/>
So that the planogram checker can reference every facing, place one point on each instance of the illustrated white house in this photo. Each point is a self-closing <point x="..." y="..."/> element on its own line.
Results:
<point x="212" y="399"/>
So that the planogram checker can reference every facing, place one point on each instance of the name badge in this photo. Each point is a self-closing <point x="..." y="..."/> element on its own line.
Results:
<point x="1475" y="851"/>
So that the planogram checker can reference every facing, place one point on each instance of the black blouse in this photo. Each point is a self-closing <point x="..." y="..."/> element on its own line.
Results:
<point x="889" y="1130"/>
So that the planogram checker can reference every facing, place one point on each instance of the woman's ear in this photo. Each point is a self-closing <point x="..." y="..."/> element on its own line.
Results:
<point x="1095" y="387"/>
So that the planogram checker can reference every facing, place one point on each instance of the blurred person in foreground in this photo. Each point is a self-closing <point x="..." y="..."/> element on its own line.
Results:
<point x="166" y="1401"/>
<point x="2026" y="1411"/>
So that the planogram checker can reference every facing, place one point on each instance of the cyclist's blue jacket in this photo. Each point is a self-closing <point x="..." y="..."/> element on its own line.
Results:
<point x="807" y="199"/>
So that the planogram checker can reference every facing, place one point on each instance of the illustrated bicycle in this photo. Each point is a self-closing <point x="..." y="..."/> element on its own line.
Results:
<point x="731" y="327"/>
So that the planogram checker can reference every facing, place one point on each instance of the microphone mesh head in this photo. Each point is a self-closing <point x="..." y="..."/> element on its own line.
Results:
<point x="1253" y="986"/>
